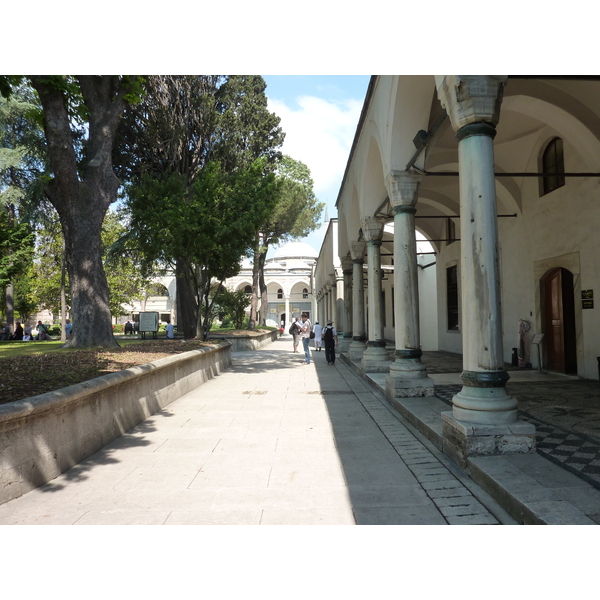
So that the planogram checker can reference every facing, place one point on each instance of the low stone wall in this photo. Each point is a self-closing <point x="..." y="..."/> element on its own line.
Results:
<point x="247" y="342"/>
<point x="45" y="435"/>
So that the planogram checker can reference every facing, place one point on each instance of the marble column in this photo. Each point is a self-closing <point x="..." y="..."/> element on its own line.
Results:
<point x="375" y="358"/>
<point x="408" y="375"/>
<point x="359" y="337"/>
<point x="288" y="316"/>
<point x="473" y="105"/>
<point x="344" y="341"/>
<point x="333" y="299"/>
<point x="338" y="311"/>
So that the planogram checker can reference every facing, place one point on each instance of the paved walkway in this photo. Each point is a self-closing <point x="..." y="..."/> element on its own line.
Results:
<point x="270" y="441"/>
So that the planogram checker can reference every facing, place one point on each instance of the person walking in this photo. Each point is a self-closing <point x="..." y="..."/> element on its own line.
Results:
<point x="318" y="329"/>
<point x="306" y="329"/>
<point x="330" y="339"/>
<point x="295" y="329"/>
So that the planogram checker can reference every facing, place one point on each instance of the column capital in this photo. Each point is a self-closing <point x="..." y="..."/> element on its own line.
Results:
<point x="333" y="279"/>
<point x="403" y="188"/>
<point x="346" y="264"/>
<point x="372" y="229"/>
<point x="471" y="98"/>
<point x="357" y="251"/>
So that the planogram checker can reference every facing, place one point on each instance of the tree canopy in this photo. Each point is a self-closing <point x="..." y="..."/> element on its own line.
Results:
<point x="295" y="214"/>
<point x="199" y="152"/>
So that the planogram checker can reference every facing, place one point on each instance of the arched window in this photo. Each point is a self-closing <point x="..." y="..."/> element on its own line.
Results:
<point x="248" y="289"/>
<point x="279" y="294"/>
<point x="553" y="166"/>
<point x="305" y="293"/>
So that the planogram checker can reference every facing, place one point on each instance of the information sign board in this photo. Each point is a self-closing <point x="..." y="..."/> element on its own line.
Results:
<point x="148" y="322"/>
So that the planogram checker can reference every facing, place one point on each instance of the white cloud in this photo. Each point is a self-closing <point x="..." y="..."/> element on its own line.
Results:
<point x="320" y="133"/>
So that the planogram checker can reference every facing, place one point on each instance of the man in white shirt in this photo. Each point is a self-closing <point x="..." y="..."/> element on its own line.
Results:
<point x="305" y="335"/>
<point x="318" y="329"/>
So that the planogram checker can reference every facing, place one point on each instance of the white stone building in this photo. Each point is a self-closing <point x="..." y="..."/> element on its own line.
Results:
<point x="289" y="279"/>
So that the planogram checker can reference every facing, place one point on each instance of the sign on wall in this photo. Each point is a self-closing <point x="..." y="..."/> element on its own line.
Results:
<point x="587" y="298"/>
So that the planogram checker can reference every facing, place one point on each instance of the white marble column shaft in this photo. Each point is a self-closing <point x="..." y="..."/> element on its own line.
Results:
<point x="358" y="344"/>
<point x="408" y="375"/>
<point x="484" y="416"/>
<point x="375" y="359"/>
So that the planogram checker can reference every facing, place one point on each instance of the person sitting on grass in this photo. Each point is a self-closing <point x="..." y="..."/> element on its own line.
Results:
<point x="42" y="331"/>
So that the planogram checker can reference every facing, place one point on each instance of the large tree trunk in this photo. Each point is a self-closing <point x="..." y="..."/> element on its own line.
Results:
<point x="254" y="296"/>
<point x="187" y="317"/>
<point x="264" y="296"/>
<point x="82" y="203"/>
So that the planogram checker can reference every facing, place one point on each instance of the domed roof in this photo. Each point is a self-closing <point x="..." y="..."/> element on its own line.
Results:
<point x="295" y="250"/>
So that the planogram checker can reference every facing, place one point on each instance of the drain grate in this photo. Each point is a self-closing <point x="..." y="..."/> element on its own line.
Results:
<point x="330" y="392"/>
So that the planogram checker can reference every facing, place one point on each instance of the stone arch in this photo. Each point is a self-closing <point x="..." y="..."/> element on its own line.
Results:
<point x="374" y="190"/>
<point x="413" y="98"/>
<point x="582" y="134"/>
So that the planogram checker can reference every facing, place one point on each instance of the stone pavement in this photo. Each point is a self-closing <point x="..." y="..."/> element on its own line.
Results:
<point x="564" y="409"/>
<point x="270" y="441"/>
<point x="559" y="484"/>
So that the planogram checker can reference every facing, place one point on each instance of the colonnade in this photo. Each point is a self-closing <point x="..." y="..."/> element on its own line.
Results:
<point x="484" y="416"/>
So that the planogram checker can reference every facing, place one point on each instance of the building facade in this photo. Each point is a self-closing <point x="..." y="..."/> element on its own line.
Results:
<point x="289" y="280"/>
<point x="500" y="174"/>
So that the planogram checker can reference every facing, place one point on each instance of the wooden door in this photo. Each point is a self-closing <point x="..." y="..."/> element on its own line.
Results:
<point x="560" y="321"/>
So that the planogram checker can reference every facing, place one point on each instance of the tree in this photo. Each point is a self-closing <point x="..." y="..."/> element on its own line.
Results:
<point x="84" y="185"/>
<point x="295" y="215"/>
<point x="126" y="280"/>
<point x="208" y="226"/>
<point x="191" y="136"/>
<point x="233" y="305"/>
<point x="16" y="248"/>
<point x="22" y="161"/>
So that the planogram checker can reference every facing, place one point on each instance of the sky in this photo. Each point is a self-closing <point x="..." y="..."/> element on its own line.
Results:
<point x="319" y="115"/>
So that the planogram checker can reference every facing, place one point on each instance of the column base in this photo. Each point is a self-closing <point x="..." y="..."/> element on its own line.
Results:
<point x="408" y="379"/>
<point x="484" y="406"/>
<point x="464" y="440"/>
<point x="375" y="359"/>
<point x="344" y="343"/>
<point x="356" y="350"/>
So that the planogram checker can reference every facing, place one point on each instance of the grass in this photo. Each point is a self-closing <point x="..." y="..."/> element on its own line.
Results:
<point x="31" y="368"/>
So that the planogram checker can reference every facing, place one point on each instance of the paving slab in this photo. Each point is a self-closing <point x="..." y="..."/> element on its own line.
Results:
<point x="560" y="483"/>
<point x="268" y="442"/>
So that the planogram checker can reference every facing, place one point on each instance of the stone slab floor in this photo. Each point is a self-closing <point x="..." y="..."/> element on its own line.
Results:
<point x="269" y="442"/>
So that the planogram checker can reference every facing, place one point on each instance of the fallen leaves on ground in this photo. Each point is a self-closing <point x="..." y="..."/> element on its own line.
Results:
<point x="25" y="376"/>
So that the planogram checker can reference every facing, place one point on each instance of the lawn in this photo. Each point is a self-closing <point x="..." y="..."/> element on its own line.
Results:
<point x="31" y="368"/>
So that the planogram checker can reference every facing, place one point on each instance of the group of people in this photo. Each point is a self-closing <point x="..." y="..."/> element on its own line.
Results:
<point x="301" y="329"/>
<point x="26" y="333"/>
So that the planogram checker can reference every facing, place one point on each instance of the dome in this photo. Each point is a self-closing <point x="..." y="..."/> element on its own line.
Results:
<point x="295" y="250"/>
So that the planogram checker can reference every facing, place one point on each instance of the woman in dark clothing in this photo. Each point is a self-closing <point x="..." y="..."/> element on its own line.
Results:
<point x="18" y="334"/>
